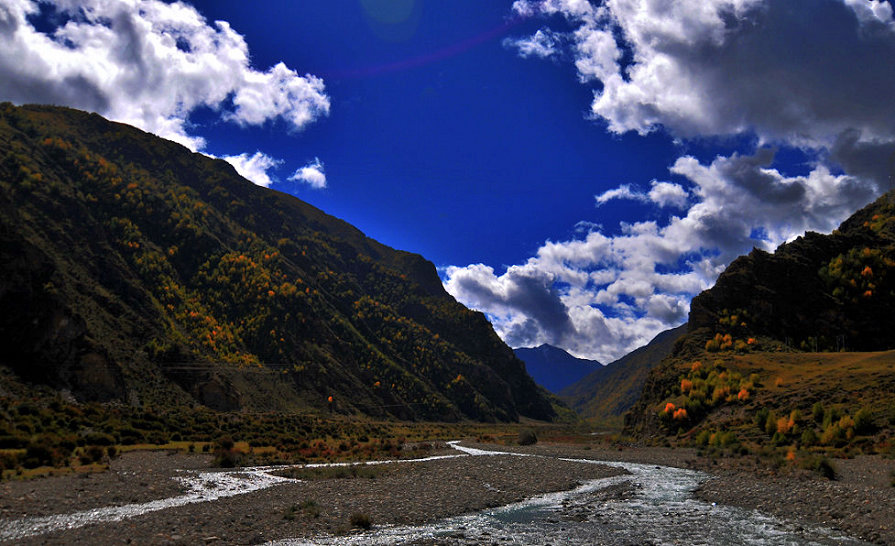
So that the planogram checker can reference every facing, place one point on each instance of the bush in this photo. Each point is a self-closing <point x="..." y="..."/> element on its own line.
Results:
<point x="826" y="469"/>
<point x="819" y="464"/>
<point x="311" y="508"/>
<point x="361" y="520"/>
<point x="809" y="437"/>
<point x="864" y="421"/>
<point x="91" y="454"/>
<point x="527" y="437"/>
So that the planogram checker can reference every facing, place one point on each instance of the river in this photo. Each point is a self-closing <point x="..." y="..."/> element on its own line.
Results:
<point x="649" y="504"/>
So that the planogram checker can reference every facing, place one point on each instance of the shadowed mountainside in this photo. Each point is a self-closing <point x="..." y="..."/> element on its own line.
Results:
<point x="768" y="358"/>
<point x="604" y="395"/>
<point x="138" y="271"/>
<point x="553" y="368"/>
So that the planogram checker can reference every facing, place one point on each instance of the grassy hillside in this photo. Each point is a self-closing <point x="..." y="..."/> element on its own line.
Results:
<point x="604" y="395"/>
<point x="137" y="271"/>
<point x="789" y="352"/>
<point x="793" y="403"/>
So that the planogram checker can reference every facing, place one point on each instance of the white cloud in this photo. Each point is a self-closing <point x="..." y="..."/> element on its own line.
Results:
<point x="311" y="174"/>
<point x="625" y="191"/>
<point x="787" y="73"/>
<point x="722" y="67"/>
<point x="542" y="44"/>
<point x="663" y="194"/>
<point x="148" y="63"/>
<point x="254" y="167"/>
<point x="667" y="194"/>
<point x="601" y="296"/>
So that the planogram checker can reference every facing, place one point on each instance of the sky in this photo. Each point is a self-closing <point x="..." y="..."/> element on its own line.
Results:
<point x="576" y="170"/>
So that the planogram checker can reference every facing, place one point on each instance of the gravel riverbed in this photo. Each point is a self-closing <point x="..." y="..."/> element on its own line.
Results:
<point x="861" y="502"/>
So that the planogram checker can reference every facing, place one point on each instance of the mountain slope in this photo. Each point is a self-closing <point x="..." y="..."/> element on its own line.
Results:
<point x="136" y="270"/>
<point x="553" y="368"/>
<point x="773" y="337"/>
<point x="604" y="395"/>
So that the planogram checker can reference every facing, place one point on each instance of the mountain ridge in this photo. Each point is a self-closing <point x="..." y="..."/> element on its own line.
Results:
<point x="604" y="395"/>
<point x="142" y="272"/>
<point x="554" y="368"/>
<point x="803" y="331"/>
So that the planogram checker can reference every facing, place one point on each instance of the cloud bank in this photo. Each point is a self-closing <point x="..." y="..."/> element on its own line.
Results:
<point x="781" y="73"/>
<point x="147" y="63"/>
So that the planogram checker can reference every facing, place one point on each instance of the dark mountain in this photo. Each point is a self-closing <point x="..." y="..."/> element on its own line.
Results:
<point x="798" y="331"/>
<point x="604" y="395"/>
<point x="819" y="292"/>
<point x="137" y="271"/>
<point x="553" y="368"/>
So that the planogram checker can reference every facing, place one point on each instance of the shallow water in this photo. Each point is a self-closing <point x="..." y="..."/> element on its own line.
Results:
<point x="650" y="505"/>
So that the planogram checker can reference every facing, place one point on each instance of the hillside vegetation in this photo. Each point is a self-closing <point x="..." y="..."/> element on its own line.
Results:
<point x="603" y="396"/>
<point x="789" y="352"/>
<point x="138" y="272"/>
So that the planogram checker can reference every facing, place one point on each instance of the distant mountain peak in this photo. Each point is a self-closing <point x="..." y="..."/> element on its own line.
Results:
<point x="553" y="367"/>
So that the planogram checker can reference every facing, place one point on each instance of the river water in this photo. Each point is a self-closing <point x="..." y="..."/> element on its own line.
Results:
<point x="651" y="505"/>
<point x="648" y="505"/>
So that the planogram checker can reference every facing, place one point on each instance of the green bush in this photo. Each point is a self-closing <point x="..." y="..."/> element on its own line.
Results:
<point x="809" y="437"/>
<point x="527" y="437"/>
<point x="821" y="465"/>
<point x="361" y="520"/>
<point x="864" y="421"/>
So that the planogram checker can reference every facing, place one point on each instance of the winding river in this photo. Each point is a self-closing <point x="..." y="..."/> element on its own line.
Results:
<point x="648" y="505"/>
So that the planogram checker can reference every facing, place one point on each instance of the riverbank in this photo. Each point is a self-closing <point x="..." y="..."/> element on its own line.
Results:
<point x="860" y="501"/>
<point x="403" y="492"/>
<point x="338" y="500"/>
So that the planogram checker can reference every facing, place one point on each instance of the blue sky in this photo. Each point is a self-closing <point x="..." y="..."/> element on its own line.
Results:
<point x="577" y="170"/>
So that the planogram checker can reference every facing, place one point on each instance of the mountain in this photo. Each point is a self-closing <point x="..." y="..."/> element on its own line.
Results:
<point x="791" y="348"/>
<point x="553" y="368"/>
<point x="604" y="395"/>
<point x="137" y="271"/>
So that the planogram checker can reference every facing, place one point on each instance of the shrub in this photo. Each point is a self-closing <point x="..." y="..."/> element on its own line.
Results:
<point x="91" y="454"/>
<point x="527" y="437"/>
<point x="311" y="508"/>
<point x="809" y="437"/>
<point x="825" y="467"/>
<point x="761" y="418"/>
<point x="361" y="520"/>
<point x="863" y="421"/>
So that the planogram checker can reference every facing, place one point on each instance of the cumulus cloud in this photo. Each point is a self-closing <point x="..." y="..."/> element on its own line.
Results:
<point x="601" y="296"/>
<point x="666" y="194"/>
<point x="311" y="174"/>
<point x="721" y="67"/>
<point x="762" y="69"/>
<point x="254" y="167"/>
<point x="148" y="63"/>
